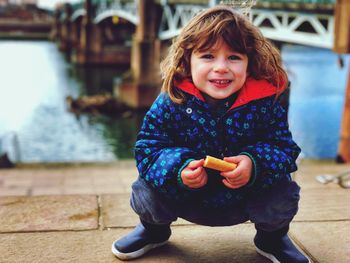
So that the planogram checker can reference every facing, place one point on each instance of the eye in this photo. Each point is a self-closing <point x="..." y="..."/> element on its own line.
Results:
<point x="234" y="57"/>
<point x="207" y="56"/>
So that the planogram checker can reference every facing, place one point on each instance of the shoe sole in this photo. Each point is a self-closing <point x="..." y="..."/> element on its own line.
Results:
<point x="272" y="257"/>
<point x="137" y="253"/>
<point x="267" y="255"/>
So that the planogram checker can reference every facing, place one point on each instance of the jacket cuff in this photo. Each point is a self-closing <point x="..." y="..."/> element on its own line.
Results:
<point x="255" y="171"/>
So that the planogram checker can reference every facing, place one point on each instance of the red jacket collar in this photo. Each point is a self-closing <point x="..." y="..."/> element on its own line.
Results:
<point x="252" y="90"/>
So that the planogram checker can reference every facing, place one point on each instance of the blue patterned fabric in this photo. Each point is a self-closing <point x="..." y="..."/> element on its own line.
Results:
<point x="172" y="135"/>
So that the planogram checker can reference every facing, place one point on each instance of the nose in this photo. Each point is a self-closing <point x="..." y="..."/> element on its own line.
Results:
<point x="220" y="65"/>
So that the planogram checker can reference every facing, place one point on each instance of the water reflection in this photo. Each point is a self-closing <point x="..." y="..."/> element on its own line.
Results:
<point x="317" y="99"/>
<point x="35" y="82"/>
<point x="96" y="79"/>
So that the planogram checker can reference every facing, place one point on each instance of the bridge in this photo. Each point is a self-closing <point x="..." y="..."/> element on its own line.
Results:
<point x="137" y="32"/>
<point x="27" y="22"/>
<point x="306" y="22"/>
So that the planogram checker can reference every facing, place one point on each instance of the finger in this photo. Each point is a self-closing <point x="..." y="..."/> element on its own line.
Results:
<point x="193" y="175"/>
<point x="231" y="174"/>
<point x="240" y="177"/>
<point x="235" y="174"/>
<point x="197" y="180"/>
<point x="195" y="184"/>
<point x="204" y="180"/>
<point x="230" y="185"/>
<point x="240" y="182"/>
<point x="195" y="164"/>
<point x="232" y="159"/>
<point x="227" y="184"/>
<point x="201" y="183"/>
<point x="190" y="171"/>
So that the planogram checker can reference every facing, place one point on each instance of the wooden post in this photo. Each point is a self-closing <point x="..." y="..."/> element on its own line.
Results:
<point x="344" y="143"/>
<point x="342" y="26"/>
<point x="342" y="45"/>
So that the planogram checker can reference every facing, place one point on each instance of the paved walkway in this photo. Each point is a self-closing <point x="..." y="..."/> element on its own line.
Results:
<point x="55" y="213"/>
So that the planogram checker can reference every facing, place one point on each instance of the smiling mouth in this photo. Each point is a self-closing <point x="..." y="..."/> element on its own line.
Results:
<point x="220" y="81"/>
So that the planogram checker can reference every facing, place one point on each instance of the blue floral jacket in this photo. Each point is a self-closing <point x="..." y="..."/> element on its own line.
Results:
<point x="253" y="123"/>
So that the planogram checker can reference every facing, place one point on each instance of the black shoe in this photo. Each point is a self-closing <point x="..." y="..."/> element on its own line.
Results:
<point x="141" y="240"/>
<point x="278" y="248"/>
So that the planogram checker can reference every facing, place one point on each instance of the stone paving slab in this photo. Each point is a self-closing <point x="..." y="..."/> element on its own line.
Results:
<point x="116" y="212"/>
<point x="44" y="213"/>
<point x="187" y="244"/>
<point x="327" y="242"/>
<point x="308" y="170"/>
<point x="324" y="204"/>
<point x="320" y="202"/>
<point x="54" y="179"/>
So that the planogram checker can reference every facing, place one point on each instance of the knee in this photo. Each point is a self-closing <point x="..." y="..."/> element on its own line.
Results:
<point x="280" y="204"/>
<point x="142" y="196"/>
<point x="149" y="205"/>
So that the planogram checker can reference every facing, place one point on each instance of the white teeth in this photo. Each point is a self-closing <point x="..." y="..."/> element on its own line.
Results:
<point x="221" y="81"/>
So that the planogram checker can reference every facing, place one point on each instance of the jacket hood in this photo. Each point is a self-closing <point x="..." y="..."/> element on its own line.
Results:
<point x="252" y="90"/>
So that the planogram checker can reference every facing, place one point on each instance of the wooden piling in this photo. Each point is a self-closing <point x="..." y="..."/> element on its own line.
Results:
<point x="344" y="142"/>
<point x="342" y="26"/>
<point x="342" y="45"/>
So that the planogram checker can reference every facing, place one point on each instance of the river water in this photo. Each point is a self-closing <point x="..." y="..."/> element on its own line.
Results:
<point x="35" y="80"/>
<point x="35" y="125"/>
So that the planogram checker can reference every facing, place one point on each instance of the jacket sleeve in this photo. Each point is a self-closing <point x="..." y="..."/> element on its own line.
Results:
<point x="159" y="160"/>
<point x="275" y="153"/>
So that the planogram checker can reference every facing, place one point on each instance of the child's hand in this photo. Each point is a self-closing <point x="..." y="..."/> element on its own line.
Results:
<point x="239" y="176"/>
<point x="194" y="175"/>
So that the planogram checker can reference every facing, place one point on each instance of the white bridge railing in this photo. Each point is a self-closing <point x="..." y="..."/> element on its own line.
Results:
<point x="124" y="9"/>
<point x="310" y="29"/>
<point x="295" y="27"/>
<point x="175" y="17"/>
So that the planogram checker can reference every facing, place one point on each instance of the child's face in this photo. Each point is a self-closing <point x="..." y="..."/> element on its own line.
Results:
<point x="218" y="72"/>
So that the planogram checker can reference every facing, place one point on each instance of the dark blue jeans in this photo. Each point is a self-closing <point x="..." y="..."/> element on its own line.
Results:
<point x="273" y="210"/>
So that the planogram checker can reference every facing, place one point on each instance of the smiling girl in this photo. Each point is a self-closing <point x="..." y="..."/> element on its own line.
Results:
<point x="219" y="97"/>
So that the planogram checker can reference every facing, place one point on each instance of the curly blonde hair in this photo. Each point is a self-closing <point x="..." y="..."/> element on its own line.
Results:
<point x="204" y="31"/>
